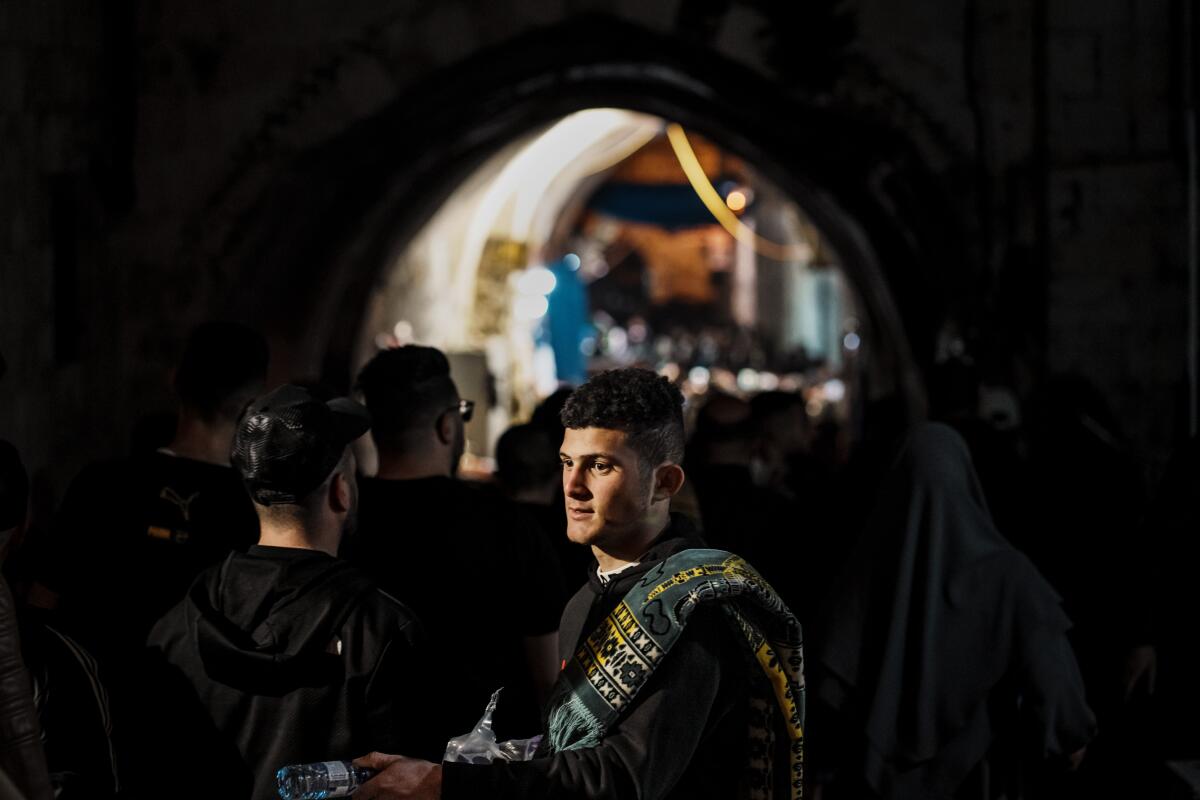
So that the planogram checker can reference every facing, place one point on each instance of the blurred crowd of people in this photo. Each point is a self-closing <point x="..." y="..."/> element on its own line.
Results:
<point x="990" y="610"/>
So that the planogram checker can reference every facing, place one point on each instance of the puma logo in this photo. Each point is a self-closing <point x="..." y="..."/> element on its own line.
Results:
<point x="172" y="496"/>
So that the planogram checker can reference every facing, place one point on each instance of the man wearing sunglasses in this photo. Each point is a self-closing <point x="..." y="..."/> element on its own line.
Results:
<point x="468" y="562"/>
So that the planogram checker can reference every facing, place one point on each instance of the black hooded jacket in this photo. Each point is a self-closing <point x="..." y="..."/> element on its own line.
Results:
<point x="685" y="734"/>
<point x="282" y="656"/>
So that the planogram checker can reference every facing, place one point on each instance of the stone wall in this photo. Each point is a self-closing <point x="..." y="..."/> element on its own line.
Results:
<point x="134" y="144"/>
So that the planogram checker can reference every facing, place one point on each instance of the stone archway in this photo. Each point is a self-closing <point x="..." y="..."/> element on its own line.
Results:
<point x="305" y="260"/>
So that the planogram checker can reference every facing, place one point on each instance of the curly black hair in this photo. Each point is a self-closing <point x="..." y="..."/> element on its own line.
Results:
<point x="639" y="402"/>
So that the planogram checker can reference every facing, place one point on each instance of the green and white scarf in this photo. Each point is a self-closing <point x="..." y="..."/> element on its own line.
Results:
<point x="617" y="659"/>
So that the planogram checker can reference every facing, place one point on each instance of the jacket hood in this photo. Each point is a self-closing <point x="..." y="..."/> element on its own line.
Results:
<point x="268" y="620"/>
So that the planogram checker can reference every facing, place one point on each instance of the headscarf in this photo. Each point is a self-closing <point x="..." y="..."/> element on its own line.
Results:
<point x="926" y="620"/>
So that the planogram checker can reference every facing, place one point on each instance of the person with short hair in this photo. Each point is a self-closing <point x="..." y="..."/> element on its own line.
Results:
<point x="470" y="563"/>
<point x="292" y="655"/>
<point x="528" y="472"/>
<point x="681" y="669"/>
<point x="133" y="533"/>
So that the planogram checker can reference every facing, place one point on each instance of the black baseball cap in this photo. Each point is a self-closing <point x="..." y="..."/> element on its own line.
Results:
<point x="288" y="442"/>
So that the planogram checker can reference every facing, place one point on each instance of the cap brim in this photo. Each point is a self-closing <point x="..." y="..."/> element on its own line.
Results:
<point x="350" y="419"/>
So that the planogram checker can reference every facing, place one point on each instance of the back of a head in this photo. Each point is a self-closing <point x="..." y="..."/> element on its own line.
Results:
<point x="405" y="388"/>
<point x="223" y="367"/>
<point x="526" y="458"/>
<point x="289" y="443"/>
<point x="639" y="402"/>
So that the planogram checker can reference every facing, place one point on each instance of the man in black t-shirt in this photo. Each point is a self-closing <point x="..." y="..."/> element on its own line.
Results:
<point x="132" y="533"/>
<point x="469" y="563"/>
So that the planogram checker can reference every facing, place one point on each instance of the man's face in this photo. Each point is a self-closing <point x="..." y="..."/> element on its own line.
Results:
<point x="606" y="490"/>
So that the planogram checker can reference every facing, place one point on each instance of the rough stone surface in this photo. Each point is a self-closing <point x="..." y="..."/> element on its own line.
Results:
<point x="194" y="106"/>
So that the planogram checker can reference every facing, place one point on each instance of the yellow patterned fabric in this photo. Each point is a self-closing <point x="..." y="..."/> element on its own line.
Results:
<point x="619" y="656"/>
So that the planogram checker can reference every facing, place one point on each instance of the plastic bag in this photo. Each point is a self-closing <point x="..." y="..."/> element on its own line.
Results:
<point x="480" y="745"/>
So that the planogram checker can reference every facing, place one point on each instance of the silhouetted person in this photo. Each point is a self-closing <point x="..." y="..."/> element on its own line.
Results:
<point x="131" y="534"/>
<point x="287" y="654"/>
<point x="1085" y="532"/>
<point x="22" y="760"/>
<point x="757" y="522"/>
<point x="474" y="568"/>
<point x="942" y="646"/>
<point x="70" y="698"/>
<point x="1175" y="529"/>
<point x="528" y="471"/>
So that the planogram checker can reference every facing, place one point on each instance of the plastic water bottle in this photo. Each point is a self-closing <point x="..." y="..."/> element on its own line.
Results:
<point x="320" y="780"/>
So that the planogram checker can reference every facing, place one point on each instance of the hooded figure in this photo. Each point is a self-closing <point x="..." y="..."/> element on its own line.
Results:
<point x="939" y="631"/>
<point x="294" y="657"/>
<point x="284" y="654"/>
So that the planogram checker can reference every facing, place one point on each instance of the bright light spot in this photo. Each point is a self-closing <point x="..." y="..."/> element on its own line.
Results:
<point x="618" y="341"/>
<point x="851" y="341"/>
<point x="699" y="376"/>
<point x="768" y="381"/>
<point x="531" y="307"/>
<point x="403" y="331"/>
<point x="835" y="390"/>
<point x="572" y="261"/>
<point x="670" y="371"/>
<point x="747" y="380"/>
<point x="736" y="200"/>
<point x="536" y="281"/>
<point x="587" y="346"/>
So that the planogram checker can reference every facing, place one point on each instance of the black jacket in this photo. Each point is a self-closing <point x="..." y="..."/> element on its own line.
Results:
<point x="293" y="657"/>
<point x="685" y="735"/>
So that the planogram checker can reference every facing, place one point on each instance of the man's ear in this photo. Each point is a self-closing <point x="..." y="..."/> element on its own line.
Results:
<point x="668" y="480"/>
<point x="340" y="496"/>
<point x="445" y="428"/>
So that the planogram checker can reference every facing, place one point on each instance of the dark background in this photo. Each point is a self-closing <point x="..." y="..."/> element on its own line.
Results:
<point x="1015" y="170"/>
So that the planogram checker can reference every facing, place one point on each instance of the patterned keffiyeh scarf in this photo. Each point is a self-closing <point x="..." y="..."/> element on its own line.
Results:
<point x="618" y="658"/>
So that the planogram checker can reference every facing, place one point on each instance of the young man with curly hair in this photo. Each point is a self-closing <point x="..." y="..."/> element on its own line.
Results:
<point x="680" y="668"/>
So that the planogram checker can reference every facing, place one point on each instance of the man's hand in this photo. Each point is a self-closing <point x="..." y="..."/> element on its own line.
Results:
<point x="400" y="778"/>
<point x="1141" y="665"/>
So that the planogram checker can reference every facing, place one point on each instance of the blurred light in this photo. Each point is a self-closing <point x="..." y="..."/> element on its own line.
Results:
<point x="403" y="331"/>
<point x="637" y="332"/>
<point x="385" y="341"/>
<point x="531" y="307"/>
<point x="699" y="376"/>
<point x="536" y="281"/>
<point x="618" y="341"/>
<point x="670" y="371"/>
<point x="572" y="261"/>
<point x="587" y="346"/>
<point x="724" y="380"/>
<point x="792" y="382"/>
<point x="814" y="407"/>
<point x="835" y="391"/>
<point x="747" y="380"/>
<point x="736" y="201"/>
<point x="851" y="341"/>
<point x="768" y="381"/>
